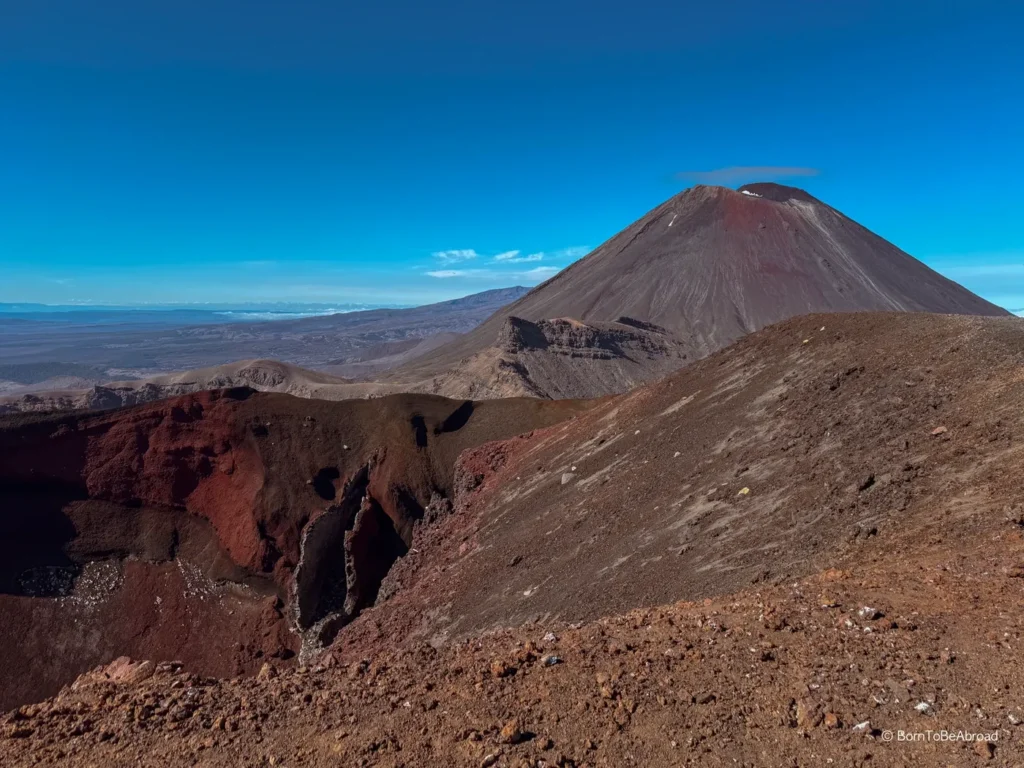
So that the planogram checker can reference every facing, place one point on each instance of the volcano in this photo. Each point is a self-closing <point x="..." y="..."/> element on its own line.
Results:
<point x="713" y="264"/>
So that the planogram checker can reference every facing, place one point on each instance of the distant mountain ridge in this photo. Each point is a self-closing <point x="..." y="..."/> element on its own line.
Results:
<point x="97" y="347"/>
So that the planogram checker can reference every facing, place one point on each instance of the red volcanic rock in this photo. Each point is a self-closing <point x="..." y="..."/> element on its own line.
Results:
<point x="210" y="527"/>
<point x="190" y="453"/>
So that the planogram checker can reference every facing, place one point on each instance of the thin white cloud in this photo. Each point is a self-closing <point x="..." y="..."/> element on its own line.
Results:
<point x="521" y="259"/>
<point x="499" y="270"/>
<point x="515" y="256"/>
<point x="455" y="255"/>
<point x="445" y="274"/>
<point x="572" y="253"/>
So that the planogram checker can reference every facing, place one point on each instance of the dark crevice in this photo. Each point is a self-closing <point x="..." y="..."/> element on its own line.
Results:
<point x="409" y="512"/>
<point x="271" y="554"/>
<point x="320" y="581"/>
<point x="457" y="419"/>
<point x="324" y="483"/>
<point x="642" y="325"/>
<point x="175" y="543"/>
<point x="239" y="393"/>
<point x="346" y="554"/>
<point x="371" y="548"/>
<point x="419" y="428"/>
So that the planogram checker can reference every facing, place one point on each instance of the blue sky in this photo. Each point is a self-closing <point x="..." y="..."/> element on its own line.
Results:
<point x="262" y="150"/>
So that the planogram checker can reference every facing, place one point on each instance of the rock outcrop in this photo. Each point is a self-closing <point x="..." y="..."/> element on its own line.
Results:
<point x="565" y="358"/>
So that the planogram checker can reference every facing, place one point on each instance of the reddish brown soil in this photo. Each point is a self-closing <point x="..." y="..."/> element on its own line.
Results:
<point x="768" y="677"/>
<point x="142" y="530"/>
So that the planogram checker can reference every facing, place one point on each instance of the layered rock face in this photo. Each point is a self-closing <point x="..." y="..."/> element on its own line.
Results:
<point x="565" y="358"/>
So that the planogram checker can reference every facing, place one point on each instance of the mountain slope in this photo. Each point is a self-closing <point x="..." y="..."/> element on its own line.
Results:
<point x="712" y="264"/>
<point x="772" y="458"/>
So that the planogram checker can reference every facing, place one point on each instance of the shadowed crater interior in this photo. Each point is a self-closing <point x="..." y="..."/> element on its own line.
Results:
<point x="324" y="483"/>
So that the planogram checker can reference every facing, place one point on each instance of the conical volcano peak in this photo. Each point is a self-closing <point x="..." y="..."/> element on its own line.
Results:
<point x="778" y="193"/>
<point x="713" y="263"/>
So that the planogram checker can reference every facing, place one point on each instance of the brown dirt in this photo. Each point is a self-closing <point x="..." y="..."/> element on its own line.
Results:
<point x="773" y="676"/>
<point x="564" y="358"/>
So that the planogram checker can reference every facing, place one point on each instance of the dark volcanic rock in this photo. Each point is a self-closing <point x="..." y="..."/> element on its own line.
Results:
<point x="518" y="335"/>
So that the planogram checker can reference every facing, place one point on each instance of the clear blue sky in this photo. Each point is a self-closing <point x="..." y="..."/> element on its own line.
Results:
<point x="333" y="150"/>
